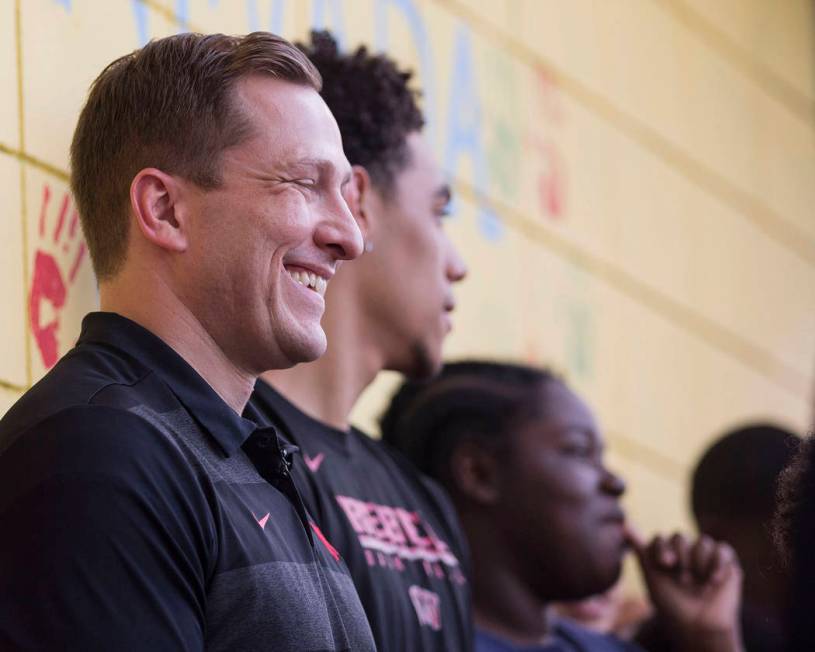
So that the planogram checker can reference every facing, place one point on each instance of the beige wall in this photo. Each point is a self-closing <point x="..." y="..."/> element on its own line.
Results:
<point x="635" y="184"/>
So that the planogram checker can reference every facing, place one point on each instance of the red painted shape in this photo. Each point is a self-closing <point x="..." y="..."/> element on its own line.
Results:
<point x="52" y="276"/>
<point x="47" y="285"/>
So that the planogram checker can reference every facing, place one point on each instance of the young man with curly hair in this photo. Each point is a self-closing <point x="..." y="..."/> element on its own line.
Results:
<point x="390" y="310"/>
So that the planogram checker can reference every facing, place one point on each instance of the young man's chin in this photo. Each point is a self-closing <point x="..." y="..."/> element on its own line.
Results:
<point x="425" y="363"/>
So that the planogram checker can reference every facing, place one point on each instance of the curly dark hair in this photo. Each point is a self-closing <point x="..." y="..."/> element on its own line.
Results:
<point x="794" y="531"/>
<point x="480" y="399"/>
<point x="374" y="106"/>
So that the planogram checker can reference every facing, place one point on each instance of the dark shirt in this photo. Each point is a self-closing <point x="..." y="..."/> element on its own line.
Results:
<point x="759" y="631"/>
<point x="566" y="637"/>
<point x="138" y="511"/>
<point x="397" y="530"/>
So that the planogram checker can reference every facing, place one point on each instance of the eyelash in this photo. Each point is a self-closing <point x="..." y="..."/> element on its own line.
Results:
<point x="580" y="450"/>
<point x="304" y="183"/>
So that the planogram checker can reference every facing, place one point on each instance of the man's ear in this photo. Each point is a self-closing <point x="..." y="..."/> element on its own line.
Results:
<point x="155" y="202"/>
<point x="475" y="472"/>
<point x="359" y="199"/>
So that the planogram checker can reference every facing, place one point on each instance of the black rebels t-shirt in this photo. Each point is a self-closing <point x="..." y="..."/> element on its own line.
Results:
<point x="396" y="530"/>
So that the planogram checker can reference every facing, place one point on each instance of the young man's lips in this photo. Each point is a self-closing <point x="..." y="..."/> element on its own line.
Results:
<point x="615" y="517"/>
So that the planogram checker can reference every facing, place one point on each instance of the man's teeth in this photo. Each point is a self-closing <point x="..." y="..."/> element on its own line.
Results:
<point x="310" y="280"/>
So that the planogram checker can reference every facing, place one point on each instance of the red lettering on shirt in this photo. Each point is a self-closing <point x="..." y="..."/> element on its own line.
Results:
<point x="395" y="531"/>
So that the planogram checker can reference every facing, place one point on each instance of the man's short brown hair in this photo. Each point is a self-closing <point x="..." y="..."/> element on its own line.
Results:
<point x="170" y="106"/>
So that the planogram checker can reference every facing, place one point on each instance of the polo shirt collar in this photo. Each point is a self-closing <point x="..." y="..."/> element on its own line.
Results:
<point x="203" y="403"/>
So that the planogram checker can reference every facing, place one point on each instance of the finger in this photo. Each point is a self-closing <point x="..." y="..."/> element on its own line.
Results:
<point x="703" y="557"/>
<point x="660" y="554"/>
<point x="725" y="561"/>
<point x="681" y="548"/>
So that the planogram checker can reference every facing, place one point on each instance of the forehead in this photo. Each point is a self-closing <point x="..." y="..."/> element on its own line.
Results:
<point x="561" y="409"/>
<point x="289" y="121"/>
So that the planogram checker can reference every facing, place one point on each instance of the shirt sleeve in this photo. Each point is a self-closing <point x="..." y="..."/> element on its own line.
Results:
<point x="106" y="537"/>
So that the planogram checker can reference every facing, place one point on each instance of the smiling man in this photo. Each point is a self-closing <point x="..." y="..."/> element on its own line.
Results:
<point x="139" y="510"/>
<point x="390" y="309"/>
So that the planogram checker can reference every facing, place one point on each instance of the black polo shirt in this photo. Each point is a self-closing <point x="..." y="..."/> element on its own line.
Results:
<point x="396" y="529"/>
<point x="138" y="511"/>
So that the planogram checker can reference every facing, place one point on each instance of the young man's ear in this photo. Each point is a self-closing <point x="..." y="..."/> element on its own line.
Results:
<point x="359" y="198"/>
<point x="475" y="472"/>
<point x="155" y="199"/>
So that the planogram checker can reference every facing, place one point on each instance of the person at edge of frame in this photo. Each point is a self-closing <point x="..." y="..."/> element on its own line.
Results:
<point x="733" y="499"/>
<point x="523" y="459"/>
<point x="794" y="534"/>
<point x="139" y="510"/>
<point x="396" y="530"/>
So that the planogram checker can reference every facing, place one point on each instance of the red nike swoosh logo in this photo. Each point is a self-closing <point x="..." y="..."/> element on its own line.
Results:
<point x="313" y="463"/>
<point x="261" y="521"/>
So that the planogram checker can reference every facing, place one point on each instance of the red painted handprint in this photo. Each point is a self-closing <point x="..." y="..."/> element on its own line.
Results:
<point x="49" y="284"/>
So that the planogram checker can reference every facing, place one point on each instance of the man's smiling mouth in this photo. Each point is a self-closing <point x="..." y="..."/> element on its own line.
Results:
<point x="310" y="280"/>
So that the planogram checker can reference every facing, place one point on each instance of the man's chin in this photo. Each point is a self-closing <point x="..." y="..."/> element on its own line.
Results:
<point x="313" y="350"/>
<point x="424" y="362"/>
<point x="304" y="348"/>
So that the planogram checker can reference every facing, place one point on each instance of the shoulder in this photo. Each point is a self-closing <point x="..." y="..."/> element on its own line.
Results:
<point x="432" y="492"/>
<point x="91" y="443"/>
<point x="78" y="379"/>
<point x="590" y="641"/>
<point x="486" y="642"/>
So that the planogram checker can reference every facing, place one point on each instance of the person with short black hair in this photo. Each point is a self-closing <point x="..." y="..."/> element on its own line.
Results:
<point x="522" y="458"/>
<point x="138" y="509"/>
<point x="396" y="530"/>
<point x="733" y="498"/>
<point x="794" y="534"/>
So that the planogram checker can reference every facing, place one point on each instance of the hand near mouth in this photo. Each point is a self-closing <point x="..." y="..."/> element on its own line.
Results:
<point x="695" y="587"/>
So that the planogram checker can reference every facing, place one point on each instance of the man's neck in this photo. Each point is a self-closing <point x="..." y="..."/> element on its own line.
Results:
<point x="328" y="388"/>
<point x="160" y="312"/>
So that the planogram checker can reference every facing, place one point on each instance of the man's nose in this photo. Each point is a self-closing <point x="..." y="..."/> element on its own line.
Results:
<point x="339" y="232"/>
<point x="613" y="484"/>
<point x="456" y="267"/>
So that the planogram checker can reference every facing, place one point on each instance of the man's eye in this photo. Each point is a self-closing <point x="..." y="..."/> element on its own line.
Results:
<point x="578" y="450"/>
<point x="443" y="211"/>
<point x="302" y="181"/>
